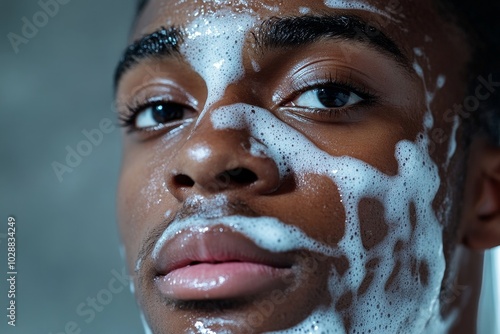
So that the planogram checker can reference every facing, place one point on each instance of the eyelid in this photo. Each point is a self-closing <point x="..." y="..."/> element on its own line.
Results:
<point x="129" y="122"/>
<point x="163" y="92"/>
<point x="314" y="72"/>
<point x="158" y="87"/>
<point x="298" y="88"/>
<point x="149" y="95"/>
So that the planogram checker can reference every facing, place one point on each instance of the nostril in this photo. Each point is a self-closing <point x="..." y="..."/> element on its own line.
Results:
<point x="182" y="180"/>
<point x="239" y="176"/>
<point x="244" y="176"/>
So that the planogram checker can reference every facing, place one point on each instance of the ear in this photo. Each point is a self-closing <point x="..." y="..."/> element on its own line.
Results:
<point x="482" y="200"/>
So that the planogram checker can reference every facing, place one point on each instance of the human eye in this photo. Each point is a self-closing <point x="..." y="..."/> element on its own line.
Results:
<point x="327" y="97"/>
<point x="157" y="114"/>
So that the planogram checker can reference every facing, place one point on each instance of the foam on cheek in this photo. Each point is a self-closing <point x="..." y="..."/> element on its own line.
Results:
<point x="452" y="147"/>
<point x="417" y="183"/>
<point x="411" y="305"/>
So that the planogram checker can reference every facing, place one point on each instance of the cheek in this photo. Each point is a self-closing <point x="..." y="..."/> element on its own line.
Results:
<point x="392" y="238"/>
<point x="130" y="215"/>
<point x="373" y="227"/>
<point x="372" y="141"/>
<point x="140" y="194"/>
<point x="143" y="190"/>
<point x="313" y="204"/>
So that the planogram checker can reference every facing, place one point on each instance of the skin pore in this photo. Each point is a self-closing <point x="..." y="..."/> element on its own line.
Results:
<point x="305" y="130"/>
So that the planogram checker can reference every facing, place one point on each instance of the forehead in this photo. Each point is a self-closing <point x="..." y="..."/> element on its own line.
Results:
<point x="387" y="15"/>
<point x="410" y="24"/>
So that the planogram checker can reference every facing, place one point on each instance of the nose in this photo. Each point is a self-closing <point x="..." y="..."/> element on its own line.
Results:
<point x="216" y="161"/>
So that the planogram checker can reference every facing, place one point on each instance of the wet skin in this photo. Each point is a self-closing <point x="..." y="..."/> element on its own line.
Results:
<point x="382" y="102"/>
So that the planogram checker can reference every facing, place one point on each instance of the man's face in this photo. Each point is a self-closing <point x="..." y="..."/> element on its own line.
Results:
<point x="286" y="169"/>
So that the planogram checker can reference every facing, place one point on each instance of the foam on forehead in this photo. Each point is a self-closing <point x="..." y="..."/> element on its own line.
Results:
<point x="359" y="5"/>
<point x="214" y="48"/>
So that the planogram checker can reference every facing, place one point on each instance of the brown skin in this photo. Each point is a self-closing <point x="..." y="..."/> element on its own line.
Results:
<point x="148" y="187"/>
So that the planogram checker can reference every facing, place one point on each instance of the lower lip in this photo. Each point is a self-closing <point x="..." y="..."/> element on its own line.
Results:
<point x="221" y="281"/>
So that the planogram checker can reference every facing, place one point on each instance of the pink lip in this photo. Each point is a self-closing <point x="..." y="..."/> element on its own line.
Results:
<point x="217" y="263"/>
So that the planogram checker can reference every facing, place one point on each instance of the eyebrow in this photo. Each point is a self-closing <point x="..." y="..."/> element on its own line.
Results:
<point x="161" y="43"/>
<point x="274" y="33"/>
<point x="289" y="32"/>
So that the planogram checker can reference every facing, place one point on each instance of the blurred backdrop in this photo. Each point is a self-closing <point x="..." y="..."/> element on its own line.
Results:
<point x="56" y="67"/>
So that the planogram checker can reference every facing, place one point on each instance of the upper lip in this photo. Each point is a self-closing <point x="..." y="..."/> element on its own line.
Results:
<point x="215" y="244"/>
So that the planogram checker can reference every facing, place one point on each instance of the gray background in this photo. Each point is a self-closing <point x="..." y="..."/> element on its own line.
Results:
<point x="58" y="85"/>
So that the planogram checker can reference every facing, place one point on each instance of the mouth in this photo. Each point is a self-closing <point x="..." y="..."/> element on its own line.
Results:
<point x="215" y="263"/>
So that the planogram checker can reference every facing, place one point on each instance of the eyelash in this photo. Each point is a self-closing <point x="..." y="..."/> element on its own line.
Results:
<point x="298" y="88"/>
<point x="128" y="121"/>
